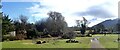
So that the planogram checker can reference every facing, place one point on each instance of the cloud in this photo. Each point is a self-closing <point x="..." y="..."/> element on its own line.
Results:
<point x="96" y="11"/>
<point x="20" y="0"/>
<point x="74" y="9"/>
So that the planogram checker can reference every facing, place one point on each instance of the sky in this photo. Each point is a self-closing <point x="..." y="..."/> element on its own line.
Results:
<point x="95" y="11"/>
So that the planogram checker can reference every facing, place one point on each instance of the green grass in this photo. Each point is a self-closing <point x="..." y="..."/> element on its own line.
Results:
<point x="85" y="43"/>
<point x="0" y="45"/>
<point x="108" y="41"/>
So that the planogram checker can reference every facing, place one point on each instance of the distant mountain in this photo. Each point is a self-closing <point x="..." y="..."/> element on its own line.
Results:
<point x="108" y="24"/>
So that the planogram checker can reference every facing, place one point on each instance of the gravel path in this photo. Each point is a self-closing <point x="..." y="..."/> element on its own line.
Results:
<point x="95" y="45"/>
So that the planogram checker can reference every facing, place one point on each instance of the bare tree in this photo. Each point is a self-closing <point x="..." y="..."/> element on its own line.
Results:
<point x="23" y="19"/>
<point x="21" y="27"/>
<point x="84" y="24"/>
<point x="57" y="21"/>
<point x="78" y="23"/>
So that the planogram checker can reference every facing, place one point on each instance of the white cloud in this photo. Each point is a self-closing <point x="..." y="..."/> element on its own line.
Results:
<point x="68" y="7"/>
<point x="20" y="0"/>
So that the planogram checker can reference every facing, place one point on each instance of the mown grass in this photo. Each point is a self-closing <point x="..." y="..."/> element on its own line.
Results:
<point x="108" y="41"/>
<point x="0" y="45"/>
<point x="61" y="43"/>
<point x="84" y="42"/>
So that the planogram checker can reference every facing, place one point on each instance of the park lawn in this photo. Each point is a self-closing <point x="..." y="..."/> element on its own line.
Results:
<point x="61" y="43"/>
<point x="108" y="41"/>
<point x="0" y="45"/>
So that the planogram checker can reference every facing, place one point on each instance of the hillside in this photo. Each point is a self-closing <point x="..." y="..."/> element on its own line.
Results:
<point x="108" y="24"/>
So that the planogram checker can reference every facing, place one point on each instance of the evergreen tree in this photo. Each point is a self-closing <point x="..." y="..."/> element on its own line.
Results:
<point x="7" y="25"/>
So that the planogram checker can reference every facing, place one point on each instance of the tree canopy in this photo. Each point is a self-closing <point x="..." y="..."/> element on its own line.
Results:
<point x="7" y="25"/>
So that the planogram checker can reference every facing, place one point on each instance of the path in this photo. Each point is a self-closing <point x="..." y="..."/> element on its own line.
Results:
<point x="95" y="45"/>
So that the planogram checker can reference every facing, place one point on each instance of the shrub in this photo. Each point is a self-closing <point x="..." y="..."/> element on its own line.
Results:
<point x="69" y="35"/>
<point x="44" y="42"/>
<point x="11" y="38"/>
<point x="31" y="33"/>
<point x="76" y="41"/>
<point x="71" y="41"/>
<point x="67" y="41"/>
<point x="4" y="38"/>
<point x="65" y="36"/>
<point x="39" y="34"/>
<point x="39" y="42"/>
<point x="56" y="34"/>
<point x="78" y="35"/>
<point x="8" y="37"/>
<point x="89" y="35"/>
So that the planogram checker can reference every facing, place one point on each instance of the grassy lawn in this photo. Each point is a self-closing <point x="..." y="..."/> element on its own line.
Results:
<point x="108" y="40"/>
<point x="0" y="45"/>
<point x="85" y="43"/>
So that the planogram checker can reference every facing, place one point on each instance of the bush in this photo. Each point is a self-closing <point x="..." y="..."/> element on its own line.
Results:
<point x="69" y="35"/>
<point x="44" y="42"/>
<point x="56" y="34"/>
<point x="71" y="41"/>
<point x="78" y="35"/>
<point x="31" y="33"/>
<point x="76" y="41"/>
<point x="7" y="37"/>
<point x="83" y="35"/>
<point x="40" y="33"/>
<point x="89" y="35"/>
<point x="11" y="38"/>
<point x="65" y="36"/>
<point x="67" y="41"/>
<point x="39" y="42"/>
<point x="4" y="38"/>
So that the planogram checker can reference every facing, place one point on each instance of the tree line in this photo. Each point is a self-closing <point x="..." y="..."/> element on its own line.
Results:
<point x="54" y="26"/>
